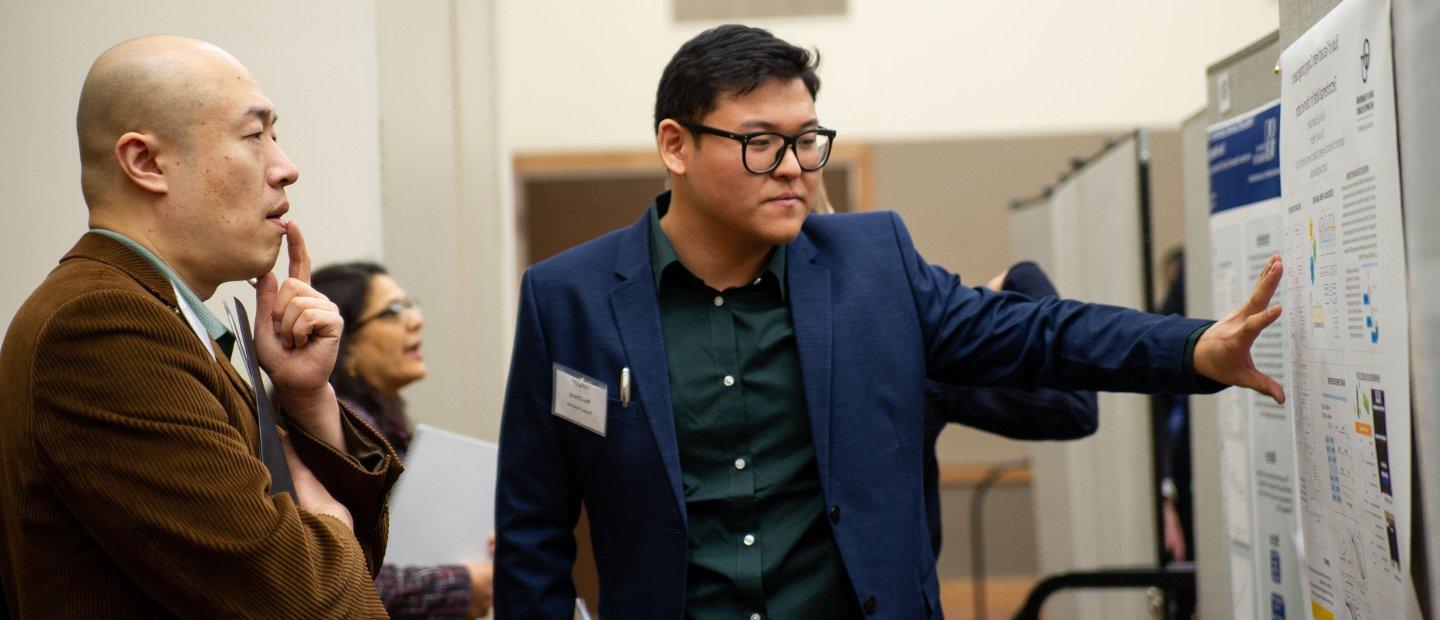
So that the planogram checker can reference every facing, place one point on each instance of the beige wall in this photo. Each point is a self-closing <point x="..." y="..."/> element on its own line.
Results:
<point x="317" y="64"/>
<point x="893" y="69"/>
<point x="448" y="226"/>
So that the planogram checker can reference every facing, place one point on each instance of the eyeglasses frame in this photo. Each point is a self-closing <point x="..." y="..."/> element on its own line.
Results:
<point x="790" y="142"/>
<point x="406" y="305"/>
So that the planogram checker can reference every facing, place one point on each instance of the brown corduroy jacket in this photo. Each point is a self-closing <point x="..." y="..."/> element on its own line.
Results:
<point x="129" y="479"/>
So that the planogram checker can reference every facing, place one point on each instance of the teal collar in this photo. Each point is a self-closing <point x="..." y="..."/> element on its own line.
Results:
<point x="212" y="324"/>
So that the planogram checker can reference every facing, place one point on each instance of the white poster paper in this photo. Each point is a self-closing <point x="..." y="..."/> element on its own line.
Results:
<point x="1257" y="450"/>
<point x="1346" y="301"/>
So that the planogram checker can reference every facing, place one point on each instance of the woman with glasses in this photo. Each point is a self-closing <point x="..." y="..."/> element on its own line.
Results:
<point x="380" y="355"/>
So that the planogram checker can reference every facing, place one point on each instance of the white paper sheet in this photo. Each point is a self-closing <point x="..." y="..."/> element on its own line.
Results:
<point x="443" y="507"/>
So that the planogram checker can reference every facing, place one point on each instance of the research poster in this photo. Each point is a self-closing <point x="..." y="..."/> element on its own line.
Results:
<point x="1345" y="299"/>
<point x="1257" y="449"/>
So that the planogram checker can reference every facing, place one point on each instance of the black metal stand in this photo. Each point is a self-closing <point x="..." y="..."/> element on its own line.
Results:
<point x="1174" y="581"/>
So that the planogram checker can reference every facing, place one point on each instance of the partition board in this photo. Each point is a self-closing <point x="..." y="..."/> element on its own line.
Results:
<point x="1095" y="497"/>
<point x="1417" y="87"/>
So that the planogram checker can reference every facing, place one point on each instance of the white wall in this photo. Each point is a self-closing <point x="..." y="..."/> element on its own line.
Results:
<point x="316" y="60"/>
<point x="892" y="69"/>
<point x="449" y="234"/>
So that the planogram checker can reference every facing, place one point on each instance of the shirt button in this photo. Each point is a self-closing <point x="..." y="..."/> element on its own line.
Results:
<point x="749" y="540"/>
<point x="739" y="463"/>
<point x="834" y="514"/>
<point x="869" y="604"/>
<point x="729" y="380"/>
<point x="754" y="616"/>
<point x="719" y="301"/>
<point x="757" y="280"/>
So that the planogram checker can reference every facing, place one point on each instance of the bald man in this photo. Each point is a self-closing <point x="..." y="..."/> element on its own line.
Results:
<point x="131" y="477"/>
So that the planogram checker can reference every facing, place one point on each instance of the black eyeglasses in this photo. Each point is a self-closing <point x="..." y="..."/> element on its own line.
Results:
<point x="762" y="151"/>
<point x="392" y="310"/>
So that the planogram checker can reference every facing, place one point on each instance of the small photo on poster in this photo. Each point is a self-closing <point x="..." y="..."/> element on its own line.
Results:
<point x="1382" y="441"/>
<point x="1393" y="535"/>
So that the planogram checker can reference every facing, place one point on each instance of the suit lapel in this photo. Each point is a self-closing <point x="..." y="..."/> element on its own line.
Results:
<point x="107" y="250"/>
<point x="636" y="307"/>
<point x="810" y="311"/>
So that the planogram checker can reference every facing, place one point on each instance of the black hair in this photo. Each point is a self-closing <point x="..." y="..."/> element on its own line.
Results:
<point x="728" y="60"/>
<point x="348" y="285"/>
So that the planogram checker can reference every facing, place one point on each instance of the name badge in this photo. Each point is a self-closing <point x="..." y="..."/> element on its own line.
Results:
<point x="580" y="399"/>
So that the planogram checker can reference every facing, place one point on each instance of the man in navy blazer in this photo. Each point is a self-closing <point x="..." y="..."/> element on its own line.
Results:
<point x="734" y="387"/>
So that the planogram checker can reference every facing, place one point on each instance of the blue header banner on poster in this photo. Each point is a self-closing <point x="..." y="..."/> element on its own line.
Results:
<point x="1245" y="159"/>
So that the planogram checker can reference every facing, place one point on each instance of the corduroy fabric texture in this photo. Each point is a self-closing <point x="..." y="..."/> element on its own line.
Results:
<point x="129" y="481"/>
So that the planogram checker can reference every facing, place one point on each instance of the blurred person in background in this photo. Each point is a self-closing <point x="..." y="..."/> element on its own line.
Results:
<point x="380" y="355"/>
<point x="1014" y="413"/>
<point x="1176" y="511"/>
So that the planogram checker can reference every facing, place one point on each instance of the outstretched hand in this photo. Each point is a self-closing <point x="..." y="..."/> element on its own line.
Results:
<point x="1223" y="351"/>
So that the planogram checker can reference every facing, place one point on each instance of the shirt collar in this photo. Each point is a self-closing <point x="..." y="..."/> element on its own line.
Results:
<point x="662" y="253"/>
<point x="212" y="324"/>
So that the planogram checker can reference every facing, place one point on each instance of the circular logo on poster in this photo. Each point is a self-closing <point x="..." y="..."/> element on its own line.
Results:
<point x="1365" y="62"/>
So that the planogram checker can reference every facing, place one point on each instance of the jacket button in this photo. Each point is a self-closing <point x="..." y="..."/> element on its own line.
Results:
<point x="869" y="604"/>
<point x="834" y="514"/>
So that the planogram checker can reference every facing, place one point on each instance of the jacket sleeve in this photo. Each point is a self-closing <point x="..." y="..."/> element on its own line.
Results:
<point x="537" y="502"/>
<point x="974" y="336"/>
<point x="145" y="456"/>
<point x="360" y="478"/>
<point x="1018" y="414"/>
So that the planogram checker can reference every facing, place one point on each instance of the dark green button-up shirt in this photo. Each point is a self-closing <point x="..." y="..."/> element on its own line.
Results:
<point x="760" y="542"/>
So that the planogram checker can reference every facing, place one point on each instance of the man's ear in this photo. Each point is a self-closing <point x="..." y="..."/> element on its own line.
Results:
<point x="675" y="146"/>
<point x="137" y="155"/>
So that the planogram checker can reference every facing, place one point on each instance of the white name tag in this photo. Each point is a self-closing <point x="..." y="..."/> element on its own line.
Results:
<point x="580" y="399"/>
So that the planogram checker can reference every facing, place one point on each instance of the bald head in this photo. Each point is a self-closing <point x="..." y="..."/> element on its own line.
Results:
<point x="160" y="85"/>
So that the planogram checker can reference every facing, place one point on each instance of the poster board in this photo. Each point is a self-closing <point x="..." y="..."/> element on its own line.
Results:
<point x="1258" y="474"/>
<point x="1415" y="76"/>
<point x="1087" y="232"/>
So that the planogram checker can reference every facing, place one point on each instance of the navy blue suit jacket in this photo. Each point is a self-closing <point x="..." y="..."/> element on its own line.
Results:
<point x="872" y="321"/>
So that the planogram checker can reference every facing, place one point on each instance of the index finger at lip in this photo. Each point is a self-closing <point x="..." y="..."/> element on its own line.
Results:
<point x="299" y="256"/>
